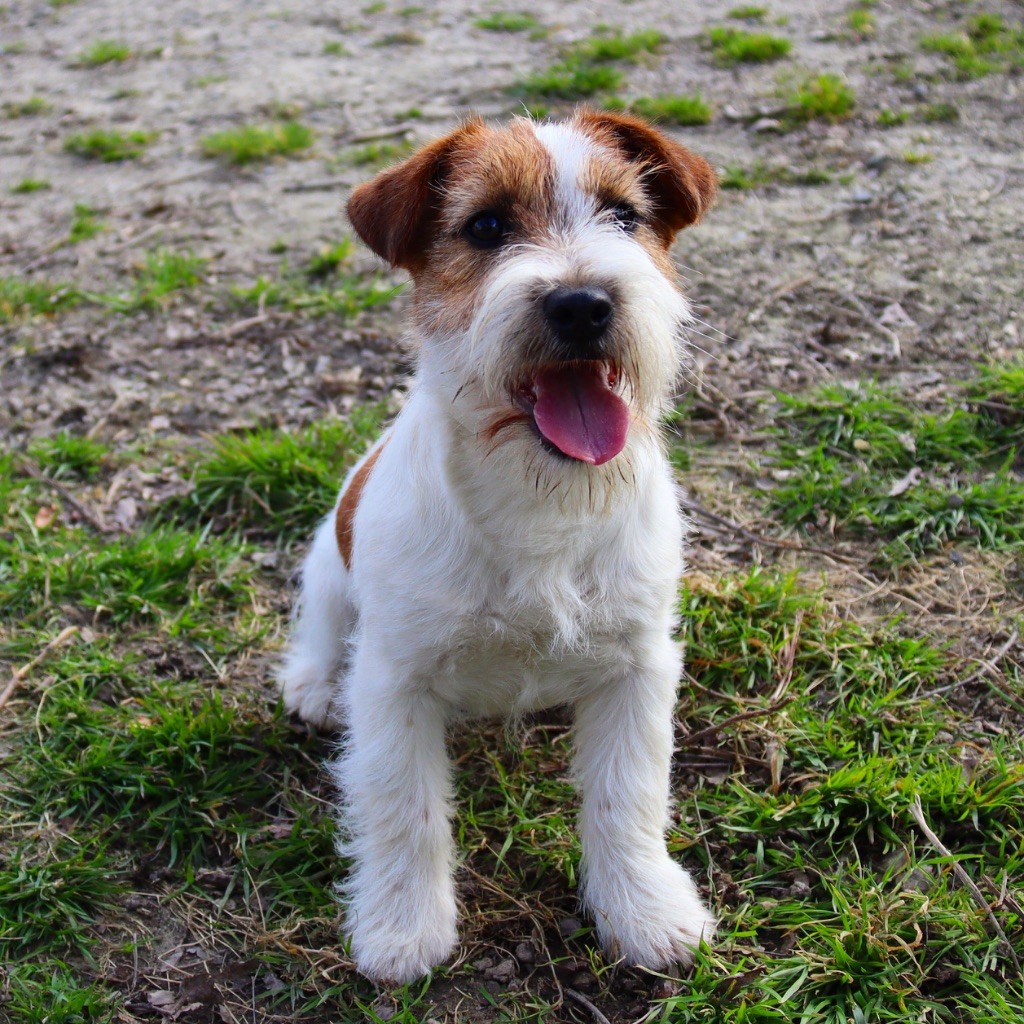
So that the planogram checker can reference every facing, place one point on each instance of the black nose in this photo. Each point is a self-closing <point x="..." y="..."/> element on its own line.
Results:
<point x="579" y="316"/>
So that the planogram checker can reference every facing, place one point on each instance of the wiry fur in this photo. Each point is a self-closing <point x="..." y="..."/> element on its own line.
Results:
<point x="489" y="576"/>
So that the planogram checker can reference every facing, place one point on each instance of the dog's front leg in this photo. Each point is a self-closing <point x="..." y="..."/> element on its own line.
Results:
<point x="646" y="907"/>
<point x="395" y="777"/>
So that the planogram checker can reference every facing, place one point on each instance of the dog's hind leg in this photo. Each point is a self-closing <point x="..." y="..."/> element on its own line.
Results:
<point x="317" y="650"/>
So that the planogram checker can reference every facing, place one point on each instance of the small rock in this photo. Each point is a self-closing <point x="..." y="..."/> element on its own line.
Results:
<point x="568" y="925"/>
<point x="877" y="162"/>
<point x="484" y="964"/>
<point x="765" y="124"/>
<point x="584" y="981"/>
<point x="504" y="971"/>
<point x="955" y="501"/>
<point x="384" y="1006"/>
<point x="861" y="195"/>
<point x="921" y="90"/>
<point x="525" y="953"/>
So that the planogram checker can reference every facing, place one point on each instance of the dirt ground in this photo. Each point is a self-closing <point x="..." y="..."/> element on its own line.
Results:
<point x="905" y="270"/>
<point x="905" y="266"/>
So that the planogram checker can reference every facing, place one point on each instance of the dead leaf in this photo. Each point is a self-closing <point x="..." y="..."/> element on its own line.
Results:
<point x="44" y="517"/>
<point x="904" y="483"/>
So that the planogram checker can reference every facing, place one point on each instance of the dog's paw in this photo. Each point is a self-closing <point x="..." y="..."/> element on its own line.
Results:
<point x="651" y="915"/>
<point x="307" y="693"/>
<point x="404" y="940"/>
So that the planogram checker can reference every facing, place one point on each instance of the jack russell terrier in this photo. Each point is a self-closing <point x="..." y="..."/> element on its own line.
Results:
<point x="513" y="541"/>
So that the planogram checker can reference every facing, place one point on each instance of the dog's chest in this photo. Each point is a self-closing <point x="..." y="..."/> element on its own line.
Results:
<point x="513" y="654"/>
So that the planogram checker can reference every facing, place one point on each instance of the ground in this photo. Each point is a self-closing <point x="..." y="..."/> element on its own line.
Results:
<point x="194" y="350"/>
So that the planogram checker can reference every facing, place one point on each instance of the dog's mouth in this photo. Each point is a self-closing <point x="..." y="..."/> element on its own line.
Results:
<point x="576" y="409"/>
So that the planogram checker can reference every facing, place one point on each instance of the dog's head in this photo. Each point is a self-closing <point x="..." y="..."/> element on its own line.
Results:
<point x="544" y="293"/>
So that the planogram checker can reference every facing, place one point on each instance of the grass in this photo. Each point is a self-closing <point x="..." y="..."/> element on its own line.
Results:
<point x="508" y="21"/>
<point x="988" y="45"/>
<point x="589" y="67"/>
<point x="737" y="46"/>
<point x="27" y="185"/>
<point x="104" y="51"/>
<point x="22" y="297"/>
<point x="108" y="144"/>
<point x="269" y="483"/>
<point x="682" y="110"/>
<point x="161" y="274"/>
<point x="84" y="224"/>
<point x="249" y="144"/>
<point x="861" y="21"/>
<point x="875" y="465"/>
<point x="822" y="97"/>
<point x="759" y="174"/>
<point x="375" y="154"/>
<point x="748" y="12"/>
<point x="31" y="107"/>
<point x="150" y="778"/>
<point x="325" y="286"/>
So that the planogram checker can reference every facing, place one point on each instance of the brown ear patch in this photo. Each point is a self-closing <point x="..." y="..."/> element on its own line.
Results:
<point x="392" y="213"/>
<point x="682" y="184"/>
<point x="344" y="518"/>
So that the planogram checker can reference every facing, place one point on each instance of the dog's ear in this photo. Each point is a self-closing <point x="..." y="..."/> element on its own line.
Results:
<point x="393" y="212"/>
<point x="681" y="183"/>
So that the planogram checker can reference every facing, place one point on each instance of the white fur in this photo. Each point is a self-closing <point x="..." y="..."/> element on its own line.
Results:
<point x="495" y="579"/>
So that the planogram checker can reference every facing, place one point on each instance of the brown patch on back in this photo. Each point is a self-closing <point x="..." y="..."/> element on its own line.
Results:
<point x="344" y="519"/>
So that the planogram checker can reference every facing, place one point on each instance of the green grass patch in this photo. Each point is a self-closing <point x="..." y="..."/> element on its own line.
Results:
<point x="31" y="107"/>
<point x="28" y="185"/>
<point x="251" y="143"/>
<point x="84" y="224"/>
<point x="988" y="45"/>
<point x="108" y="145"/>
<point x="508" y="21"/>
<point x="748" y="12"/>
<point x="325" y="286"/>
<point x="879" y="466"/>
<point x="162" y="274"/>
<point x="375" y="154"/>
<point x="888" y="118"/>
<point x="271" y="483"/>
<point x="588" y="68"/>
<point x="50" y="992"/>
<point x="104" y="51"/>
<point x="66" y="455"/>
<point x="760" y="173"/>
<point x="682" y="110"/>
<point x="21" y="297"/>
<point x="822" y="97"/>
<point x="861" y="22"/>
<point x="737" y="46"/>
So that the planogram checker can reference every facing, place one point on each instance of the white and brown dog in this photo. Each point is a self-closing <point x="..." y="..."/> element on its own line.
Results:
<point x="513" y="542"/>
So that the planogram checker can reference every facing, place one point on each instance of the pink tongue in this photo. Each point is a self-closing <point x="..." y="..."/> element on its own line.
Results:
<point x="579" y="413"/>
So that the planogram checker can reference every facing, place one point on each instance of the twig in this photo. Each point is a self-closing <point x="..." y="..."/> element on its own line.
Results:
<point x="987" y="667"/>
<point x="699" y="512"/>
<point x="580" y="998"/>
<point x="961" y="874"/>
<point x="380" y="133"/>
<point x="127" y="243"/>
<point x="743" y="716"/>
<point x="324" y="185"/>
<point x="19" y="674"/>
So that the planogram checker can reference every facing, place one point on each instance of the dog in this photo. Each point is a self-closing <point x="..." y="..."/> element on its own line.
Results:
<point x="513" y="541"/>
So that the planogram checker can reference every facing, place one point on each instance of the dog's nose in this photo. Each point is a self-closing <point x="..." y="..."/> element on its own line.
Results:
<point x="578" y="315"/>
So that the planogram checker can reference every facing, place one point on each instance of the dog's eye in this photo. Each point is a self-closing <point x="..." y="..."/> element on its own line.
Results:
<point x="486" y="230"/>
<point x="625" y="216"/>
